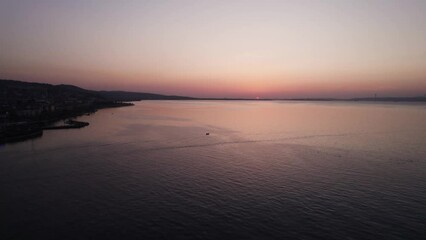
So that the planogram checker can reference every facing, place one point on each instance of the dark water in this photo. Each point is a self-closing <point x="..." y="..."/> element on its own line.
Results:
<point x="268" y="170"/>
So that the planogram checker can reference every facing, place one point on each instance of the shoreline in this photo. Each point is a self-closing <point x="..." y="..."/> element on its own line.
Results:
<point x="26" y="129"/>
<point x="70" y="124"/>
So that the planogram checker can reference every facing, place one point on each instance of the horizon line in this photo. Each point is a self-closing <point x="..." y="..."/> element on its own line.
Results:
<point x="374" y="97"/>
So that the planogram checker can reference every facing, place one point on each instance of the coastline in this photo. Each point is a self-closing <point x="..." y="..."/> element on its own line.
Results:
<point x="26" y="129"/>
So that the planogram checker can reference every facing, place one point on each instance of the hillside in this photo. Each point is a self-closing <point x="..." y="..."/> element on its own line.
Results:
<point x="11" y="90"/>
<point x="137" y="96"/>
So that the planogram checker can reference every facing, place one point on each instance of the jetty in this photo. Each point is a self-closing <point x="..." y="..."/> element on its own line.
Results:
<point x="69" y="124"/>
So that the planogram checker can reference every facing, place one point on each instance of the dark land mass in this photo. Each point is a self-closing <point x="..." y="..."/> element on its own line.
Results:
<point x="27" y="108"/>
<point x="23" y="101"/>
<point x="371" y="99"/>
<point x="393" y="99"/>
<point x="419" y="99"/>
<point x="138" y="96"/>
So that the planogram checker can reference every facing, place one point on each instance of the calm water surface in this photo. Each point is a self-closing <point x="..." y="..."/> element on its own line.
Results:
<point x="268" y="170"/>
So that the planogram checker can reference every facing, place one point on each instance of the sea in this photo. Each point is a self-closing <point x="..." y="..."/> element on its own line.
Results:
<point x="222" y="170"/>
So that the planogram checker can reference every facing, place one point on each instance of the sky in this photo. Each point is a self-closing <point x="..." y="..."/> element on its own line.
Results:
<point x="266" y="49"/>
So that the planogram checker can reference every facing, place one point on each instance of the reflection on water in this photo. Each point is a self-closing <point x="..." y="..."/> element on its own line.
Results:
<point x="297" y="170"/>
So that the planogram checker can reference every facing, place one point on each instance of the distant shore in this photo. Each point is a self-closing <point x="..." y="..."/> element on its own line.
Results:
<point x="382" y="99"/>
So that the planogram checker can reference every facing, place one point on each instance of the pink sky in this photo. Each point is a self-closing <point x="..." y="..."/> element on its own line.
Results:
<point x="270" y="49"/>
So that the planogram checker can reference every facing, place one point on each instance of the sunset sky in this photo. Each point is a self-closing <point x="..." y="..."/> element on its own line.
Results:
<point x="270" y="49"/>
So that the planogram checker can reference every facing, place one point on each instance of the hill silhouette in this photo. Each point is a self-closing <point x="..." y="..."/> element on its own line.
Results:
<point x="11" y="89"/>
